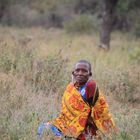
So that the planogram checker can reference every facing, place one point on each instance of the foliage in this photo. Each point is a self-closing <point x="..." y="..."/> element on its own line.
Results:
<point x="53" y="13"/>
<point x="50" y="75"/>
<point x="81" y="24"/>
<point x="24" y="75"/>
<point x="44" y="74"/>
<point x="5" y="60"/>
<point x="33" y="77"/>
<point x="136" y="31"/>
<point x="127" y="128"/>
<point x="134" y="55"/>
<point x="123" y="5"/>
<point x="126" y="88"/>
<point x="47" y="5"/>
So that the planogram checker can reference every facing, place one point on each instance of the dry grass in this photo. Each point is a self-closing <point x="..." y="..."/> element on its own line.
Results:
<point x="35" y="67"/>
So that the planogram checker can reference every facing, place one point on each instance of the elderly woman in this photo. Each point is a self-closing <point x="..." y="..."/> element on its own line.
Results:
<point x="84" y="109"/>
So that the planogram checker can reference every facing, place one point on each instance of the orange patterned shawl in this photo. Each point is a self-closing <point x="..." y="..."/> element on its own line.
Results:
<point x="75" y="113"/>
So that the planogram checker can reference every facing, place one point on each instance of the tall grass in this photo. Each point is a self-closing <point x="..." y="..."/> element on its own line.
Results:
<point x="28" y="85"/>
<point x="33" y="77"/>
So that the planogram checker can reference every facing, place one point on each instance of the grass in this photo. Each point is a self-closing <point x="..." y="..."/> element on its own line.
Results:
<point x="36" y="65"/>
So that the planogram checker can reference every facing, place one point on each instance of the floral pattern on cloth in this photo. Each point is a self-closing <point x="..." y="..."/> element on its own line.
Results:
<point x="101" y="116"/>
<point x="75" y="113"/>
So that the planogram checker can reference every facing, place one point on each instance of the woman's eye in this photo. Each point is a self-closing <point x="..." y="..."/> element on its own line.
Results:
<point x="77" y="70"/>
<point x="84" y="71"/>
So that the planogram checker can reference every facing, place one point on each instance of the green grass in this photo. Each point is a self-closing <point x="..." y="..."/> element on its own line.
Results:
<point x="36" y="65"/>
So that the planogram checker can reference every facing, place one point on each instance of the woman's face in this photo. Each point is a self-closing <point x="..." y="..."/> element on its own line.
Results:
<point x="81" y="72"/>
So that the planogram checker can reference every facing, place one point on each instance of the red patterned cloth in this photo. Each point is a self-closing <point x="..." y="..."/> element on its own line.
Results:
<point x="78" y="118"/>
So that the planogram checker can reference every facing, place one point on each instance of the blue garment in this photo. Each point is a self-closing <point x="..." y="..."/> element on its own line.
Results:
<point x="82" y="91"/>
<point x="56" y="130"/>
<point x="43" y="126"/>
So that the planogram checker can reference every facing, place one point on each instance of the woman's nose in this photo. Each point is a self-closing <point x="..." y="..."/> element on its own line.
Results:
<point x="80" y="72"/>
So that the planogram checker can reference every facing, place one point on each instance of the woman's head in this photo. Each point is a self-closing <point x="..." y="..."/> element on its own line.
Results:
<point x="82" y="71"/>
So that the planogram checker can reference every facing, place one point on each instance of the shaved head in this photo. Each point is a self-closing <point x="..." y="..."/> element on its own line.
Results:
<point x="85" y="62"/>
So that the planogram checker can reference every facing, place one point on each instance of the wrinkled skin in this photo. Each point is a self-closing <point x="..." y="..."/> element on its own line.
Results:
<point x="81" y="73"/>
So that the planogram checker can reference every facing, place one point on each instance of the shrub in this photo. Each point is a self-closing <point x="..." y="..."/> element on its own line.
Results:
<point x="49" y="74"/>
<point x="29" y="87"/>
<point x="5" y="58"/>
<point x="81" y="24"/>
<point x="125" y="87"/>
<point x="134" y="55"/>
<point x="137" y="31"/>
<point x="45" y="74"/>
<point x="127" y="121"/>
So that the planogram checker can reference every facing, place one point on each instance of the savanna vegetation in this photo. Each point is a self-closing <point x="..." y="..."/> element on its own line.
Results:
<point x="40" y="41"/>
<point x="35" y="72"/>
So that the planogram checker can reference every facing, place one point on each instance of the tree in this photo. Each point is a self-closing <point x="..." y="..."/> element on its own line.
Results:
<point x="3" y="7"/>
<point x="107" y="14"/>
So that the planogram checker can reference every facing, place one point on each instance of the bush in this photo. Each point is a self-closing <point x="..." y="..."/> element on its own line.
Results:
<point x="29" y="88"/>
<point x="81" y="24"/>
<point x="5" y="58"/>
<point x="45" y="74"/>
<point x="17" y="60"/>
<point x="127" y="121"/>
<point x="136" y="31"/>
<point x="49" y="74"/>
<point x="134" y="55"/>
<point x="125" y="87"/>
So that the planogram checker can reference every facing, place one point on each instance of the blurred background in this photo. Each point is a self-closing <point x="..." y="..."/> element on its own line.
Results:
<point x="41" y="40"/>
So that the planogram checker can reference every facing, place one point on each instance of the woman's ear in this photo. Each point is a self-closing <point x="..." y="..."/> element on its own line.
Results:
<point x="90" y="74"/>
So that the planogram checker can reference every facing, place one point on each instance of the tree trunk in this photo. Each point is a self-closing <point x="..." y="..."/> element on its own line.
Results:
<point x="3" y="6"/>
<point x="108" y="12"/>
